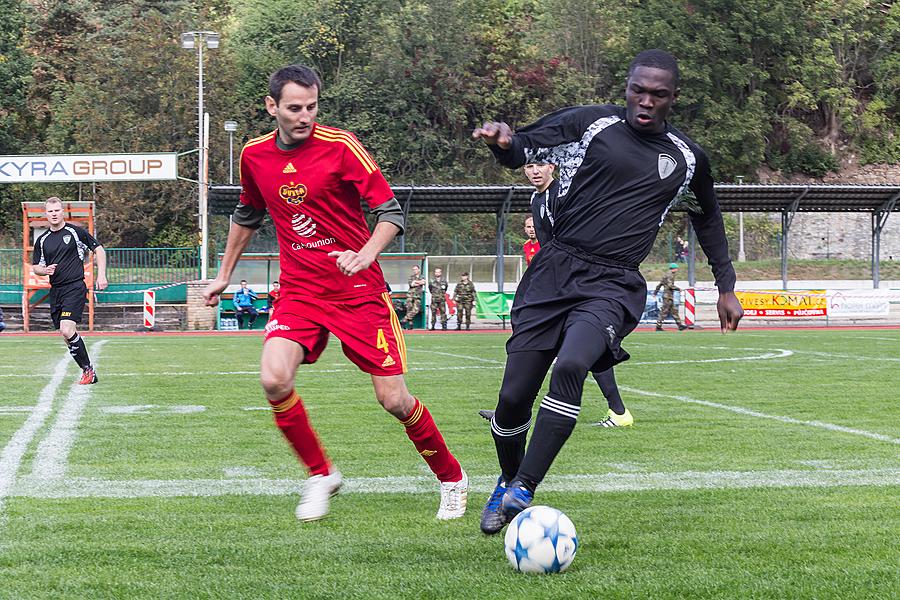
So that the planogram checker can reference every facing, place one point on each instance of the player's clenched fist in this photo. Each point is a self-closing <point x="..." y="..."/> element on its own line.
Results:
<point x="496" y="133"/>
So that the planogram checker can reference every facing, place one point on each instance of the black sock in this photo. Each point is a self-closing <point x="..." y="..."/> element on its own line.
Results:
<point x="510" y="444"/>
<point x="607" y="382"/>
<point x="79" y="351"/>
<point x="553" y="426"/>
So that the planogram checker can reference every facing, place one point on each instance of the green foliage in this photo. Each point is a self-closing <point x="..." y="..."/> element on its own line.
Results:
<point x="763" y="81"/>
<point x="799" y="152"/>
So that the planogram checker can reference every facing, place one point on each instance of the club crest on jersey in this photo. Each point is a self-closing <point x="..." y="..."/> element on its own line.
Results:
<point x="67" y="238"/>
<point x="293" y="193"/>
<point x="665" y="165"/>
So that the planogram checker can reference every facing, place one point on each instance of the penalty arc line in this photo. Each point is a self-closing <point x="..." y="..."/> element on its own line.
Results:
<point x="52" y="455"/>
<point x="753" y="413"/>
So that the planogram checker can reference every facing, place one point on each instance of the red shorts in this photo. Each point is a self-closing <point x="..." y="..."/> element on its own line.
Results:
<point x="368" y="328"/>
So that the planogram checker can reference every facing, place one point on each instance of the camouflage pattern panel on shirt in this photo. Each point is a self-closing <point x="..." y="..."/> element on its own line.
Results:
<point x="667" y="283"/>
<point x="415" y="291"/>
<point x="437" y="288"/>
<point x="464" y="293"/>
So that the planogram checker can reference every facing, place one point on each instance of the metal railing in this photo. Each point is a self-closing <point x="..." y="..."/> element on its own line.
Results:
<point x="124" y="265"/>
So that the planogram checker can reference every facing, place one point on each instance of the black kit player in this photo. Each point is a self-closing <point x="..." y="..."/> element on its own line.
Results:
<point x="621" y="171"/>
<point x="60" y="252"/>
<point x="543" y="203"/>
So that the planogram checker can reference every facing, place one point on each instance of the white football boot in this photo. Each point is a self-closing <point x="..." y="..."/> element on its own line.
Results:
<point x="454" y="495"/>
<point x="317" y="493"/>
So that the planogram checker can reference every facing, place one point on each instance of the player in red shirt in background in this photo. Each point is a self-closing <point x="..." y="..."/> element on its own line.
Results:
<point x="531" y="245"/>
<point x="273" y="296"/>
<point x="310" y="178"/>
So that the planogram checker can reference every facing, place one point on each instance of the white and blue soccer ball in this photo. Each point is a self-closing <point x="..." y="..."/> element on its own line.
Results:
<point x="541" y="539"/>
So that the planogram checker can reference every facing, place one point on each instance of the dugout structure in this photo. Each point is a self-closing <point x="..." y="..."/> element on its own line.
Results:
<point x="34" y="222"/>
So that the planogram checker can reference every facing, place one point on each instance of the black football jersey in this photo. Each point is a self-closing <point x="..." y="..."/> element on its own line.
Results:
<point x="67" y="249"/>
<point x="617" y="185"/>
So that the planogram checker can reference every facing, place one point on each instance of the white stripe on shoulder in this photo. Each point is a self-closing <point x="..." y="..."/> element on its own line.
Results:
<point x="568" y="157"/>
<point x="691" y="162"/>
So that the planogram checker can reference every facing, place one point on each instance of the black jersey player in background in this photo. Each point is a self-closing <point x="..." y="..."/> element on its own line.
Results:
<point x="543" y="202"/>
<point x="621" y="171"/>
<point x="60" y="253"/>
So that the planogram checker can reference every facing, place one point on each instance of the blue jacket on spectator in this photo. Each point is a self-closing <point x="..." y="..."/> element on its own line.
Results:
<point x="244" y="297"/>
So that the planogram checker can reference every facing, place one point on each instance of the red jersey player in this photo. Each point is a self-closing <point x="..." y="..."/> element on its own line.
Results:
<point x="531" y="245"/>
<point x="310" y="178"/>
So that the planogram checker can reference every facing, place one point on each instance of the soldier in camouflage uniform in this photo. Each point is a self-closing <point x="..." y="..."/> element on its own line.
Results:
<point x="464" y="296"/>
<point x="668" y="306"/>
<point x="438" y="288"/>
<point x="413" y="297"/>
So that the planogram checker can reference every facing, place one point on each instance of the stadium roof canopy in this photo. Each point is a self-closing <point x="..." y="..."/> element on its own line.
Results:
<point x="732" y="198"/>
<point x="787" y="199"/>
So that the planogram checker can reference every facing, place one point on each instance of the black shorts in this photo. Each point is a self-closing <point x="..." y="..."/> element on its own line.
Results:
<point x="564" y="286"/>
<point x="67" y="302"/>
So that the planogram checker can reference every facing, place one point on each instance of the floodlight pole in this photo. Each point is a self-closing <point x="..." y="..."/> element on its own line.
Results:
<point x="191" y="40"/>
<point x="741" y="256"/>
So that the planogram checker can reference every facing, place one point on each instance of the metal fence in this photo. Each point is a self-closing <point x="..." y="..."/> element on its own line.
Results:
<point x="159" y="265"/>
<point x="124" y="265"/>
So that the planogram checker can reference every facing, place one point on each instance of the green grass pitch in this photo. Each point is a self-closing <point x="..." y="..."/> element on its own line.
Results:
<point x="764" y="464"/>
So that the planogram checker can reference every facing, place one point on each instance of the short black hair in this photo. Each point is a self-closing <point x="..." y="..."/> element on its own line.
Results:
<point x="299" y="74"/>
<point x="658" y="59"/>
<point x="464" y="274"/>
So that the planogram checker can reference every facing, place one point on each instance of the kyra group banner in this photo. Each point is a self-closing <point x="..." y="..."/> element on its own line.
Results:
<point x="778" y="303"/>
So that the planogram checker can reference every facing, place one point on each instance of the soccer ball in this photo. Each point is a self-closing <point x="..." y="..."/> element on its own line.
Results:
<point x="541" y="539"/>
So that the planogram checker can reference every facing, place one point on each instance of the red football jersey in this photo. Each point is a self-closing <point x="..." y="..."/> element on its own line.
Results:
<point x="313" y="196"/>
<point x="530" y="248"/>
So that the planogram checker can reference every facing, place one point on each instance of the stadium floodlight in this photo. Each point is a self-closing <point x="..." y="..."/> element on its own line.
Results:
<point x="191" y="40"/>
<point x="231" y="127"/>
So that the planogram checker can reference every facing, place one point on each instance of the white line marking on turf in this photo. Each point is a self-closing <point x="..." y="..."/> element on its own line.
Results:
<point x="150" y="409"/>
<point x="52" y="455"/>
<point x="884" y="339"/>
<point x="752" y="413"/>
<point x="609" y="482"/>
<point x="850" y="356"/>
<point x="475" y="358"/>
<point x="12" y="454"/>
<point x="14" y="410"/>
<point x="774" y="353"/>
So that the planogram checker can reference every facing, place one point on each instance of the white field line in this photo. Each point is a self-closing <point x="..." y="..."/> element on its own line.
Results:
<point x="475" y="358"/>
<point x="84" y="487"/>
<point x="14" y="410"/>
<point x="52" y="455"/>
<point x="752" y="413"/>
<point x="774" y="353"/>
<point x="884" y="339"/>
<point x="11" y="457"/>
<point x="851" y="356"/>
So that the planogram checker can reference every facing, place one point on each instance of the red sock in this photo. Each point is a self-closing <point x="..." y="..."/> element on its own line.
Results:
<point x="430" y="443"/>
<point x="292" y="420"/>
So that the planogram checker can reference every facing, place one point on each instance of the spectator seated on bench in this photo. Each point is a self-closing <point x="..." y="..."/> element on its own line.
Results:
<point x="244" y="305"/>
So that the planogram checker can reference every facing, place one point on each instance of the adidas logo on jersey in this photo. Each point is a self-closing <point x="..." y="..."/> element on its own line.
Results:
<point x="289" y="168"/>
<point x="388" y="361"/>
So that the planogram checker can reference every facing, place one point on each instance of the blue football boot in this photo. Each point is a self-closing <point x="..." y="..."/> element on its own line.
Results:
<point x="492" y="520"/>
<point x="516" y="499"/>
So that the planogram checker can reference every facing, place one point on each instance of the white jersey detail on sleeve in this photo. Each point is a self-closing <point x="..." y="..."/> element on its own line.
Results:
<point x="691" y="162"/>
<point x="568" y="157"/>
